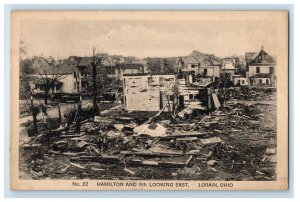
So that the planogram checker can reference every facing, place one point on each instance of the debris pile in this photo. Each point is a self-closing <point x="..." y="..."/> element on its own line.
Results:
<point x="253" y="94"/>
<point x="235" y="142"/>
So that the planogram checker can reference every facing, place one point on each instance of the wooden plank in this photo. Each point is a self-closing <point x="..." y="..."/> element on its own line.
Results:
<point x="188" y="160"/>
<point x="186" y="139"/>
<point x="211" y="141"/>
<point x="149" y="153"/>
<point x="185" y="134"/>
<point x="31" y="145"/>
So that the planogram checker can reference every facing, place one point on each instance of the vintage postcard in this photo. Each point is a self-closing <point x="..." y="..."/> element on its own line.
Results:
<point x="149" y="100"/>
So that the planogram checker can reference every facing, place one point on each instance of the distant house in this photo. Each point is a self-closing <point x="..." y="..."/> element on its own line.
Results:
<point x="240" y="80"/>
<point x="65" y="73"/>
<point x="262" y="69"/>
<point x="110" y="67"/>
<point x="229" y="66"/>
<point x="119" y="70"/>
<point x="198" y="63"/>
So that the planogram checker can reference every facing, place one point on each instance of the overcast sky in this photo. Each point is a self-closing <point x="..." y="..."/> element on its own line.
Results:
<point x="62" y="38"/>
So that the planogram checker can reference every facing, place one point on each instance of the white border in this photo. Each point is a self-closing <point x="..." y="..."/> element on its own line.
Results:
<point x="295" y="76"/>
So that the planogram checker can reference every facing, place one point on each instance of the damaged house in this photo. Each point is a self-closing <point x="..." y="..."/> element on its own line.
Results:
<point x="147" y="92"/>
<point x="262" y="69"/>
<point x="198" y="63"/>
<point x="156" y="92"/>
<point x="229" y="66"/>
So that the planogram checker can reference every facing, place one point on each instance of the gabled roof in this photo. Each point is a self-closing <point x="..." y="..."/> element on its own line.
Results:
<point x="203" y="59"/>
<point x="207" y="59"/>
<point x="42" y="66"/>
<point x="262" y="58"/>
<point x="191" y="60"/>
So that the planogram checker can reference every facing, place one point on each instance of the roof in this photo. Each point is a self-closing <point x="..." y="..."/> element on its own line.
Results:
<point x="85" y="61"/>
<point x="129" y="66"/>
<point x="250" y="55"/>
<point x="43" y="66"/>
<point x="228" y="69"/>
<point x="203" y="59"/>
<point x="261" y="75"/>
<point x="262" y="58"/>
<point x="39" y="80"/>
<point x="67" y="67"/>
<point x="103" y="68"/>
<point x="191" y="60"/>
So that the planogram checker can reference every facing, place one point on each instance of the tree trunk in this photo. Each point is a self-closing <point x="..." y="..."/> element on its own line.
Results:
<point x="46" y="95"/>
<point x="46" y="99"/>
<point x="59" y="114"/>
<point x="34" y="113"/>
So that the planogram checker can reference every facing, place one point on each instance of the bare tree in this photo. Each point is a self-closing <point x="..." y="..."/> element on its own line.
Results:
<point x="47" y="79"/>
<point x="22" y="50"/>
<point x="96" y="81"/>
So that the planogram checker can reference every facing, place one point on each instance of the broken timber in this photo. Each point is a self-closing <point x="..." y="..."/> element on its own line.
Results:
<point x="184" y="135"/>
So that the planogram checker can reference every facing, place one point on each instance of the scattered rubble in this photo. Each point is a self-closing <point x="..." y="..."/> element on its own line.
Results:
<point x="232" y="142"/>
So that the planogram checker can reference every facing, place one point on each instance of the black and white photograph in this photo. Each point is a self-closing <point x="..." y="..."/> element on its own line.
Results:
<point x="149" y="100"/>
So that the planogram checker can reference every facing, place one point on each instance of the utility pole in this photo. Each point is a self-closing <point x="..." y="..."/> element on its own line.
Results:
<point x="94" y="64"/>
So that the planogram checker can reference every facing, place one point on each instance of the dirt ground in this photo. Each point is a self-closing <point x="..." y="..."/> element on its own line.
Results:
<point x="247" y="130"/>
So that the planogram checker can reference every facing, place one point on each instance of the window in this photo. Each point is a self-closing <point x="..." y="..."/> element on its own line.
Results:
<point x="191" y="96"/>
<point x="271" y="70"/>
<point x="205" y="71"/>
<point x="260" y="81"/>
<point x="257" y="70"/>
<point x="58" y="87"/>
<point x="243" y="82"/>
<point x="267" y="81"/>
<point x="75" y="75"/>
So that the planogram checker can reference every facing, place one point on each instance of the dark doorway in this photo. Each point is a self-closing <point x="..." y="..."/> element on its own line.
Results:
<point x="181" y="101"/>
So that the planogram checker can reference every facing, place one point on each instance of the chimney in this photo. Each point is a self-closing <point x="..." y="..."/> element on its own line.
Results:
<point x="262" y="47"/>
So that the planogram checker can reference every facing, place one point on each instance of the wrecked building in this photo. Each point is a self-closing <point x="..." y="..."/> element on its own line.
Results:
<point x="157" y="92"/>
<point x="198" y="63"/>
<point x="147" y="92"/>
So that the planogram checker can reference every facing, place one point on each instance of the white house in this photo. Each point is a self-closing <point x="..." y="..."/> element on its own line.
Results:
<point x="240" y="80"/>
<point x="229" y="65"/>
<point x="262" y="69"/>
<point x="64" y="75"/>
<point x="198" y="63"/>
